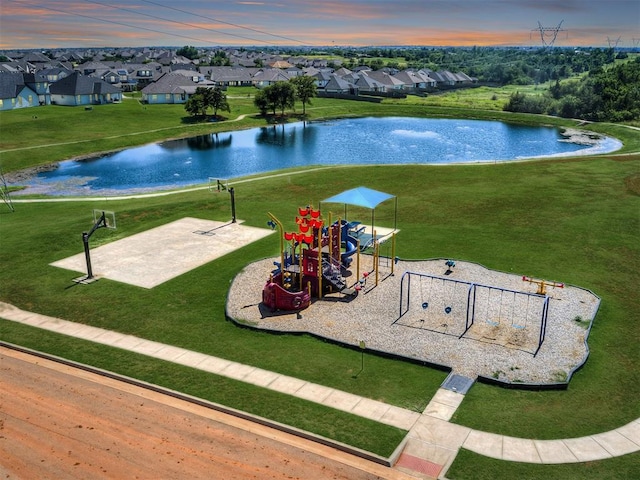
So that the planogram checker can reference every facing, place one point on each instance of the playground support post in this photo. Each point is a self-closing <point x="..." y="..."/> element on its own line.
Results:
<point x="281" y="231"/>
<point x="320" y="273"/>
<point x="393" y="250"/>
<point x="358" y="259"/>
<point x="376" y="256"/>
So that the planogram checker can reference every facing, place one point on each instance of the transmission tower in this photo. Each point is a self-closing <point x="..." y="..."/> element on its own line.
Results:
<point x="613" y="43"/>
<point x="548" y="35"/>
<point x="636" y="42"/>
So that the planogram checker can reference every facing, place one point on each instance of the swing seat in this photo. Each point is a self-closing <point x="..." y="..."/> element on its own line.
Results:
<point x="493" y="323"/>
<point x="519" y="327"/>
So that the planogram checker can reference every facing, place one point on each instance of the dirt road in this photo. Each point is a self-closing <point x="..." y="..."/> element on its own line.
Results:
<point x="58" y="422"/>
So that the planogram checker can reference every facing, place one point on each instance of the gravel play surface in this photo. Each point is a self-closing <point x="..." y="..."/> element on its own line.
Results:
<point x="500" y="344"/>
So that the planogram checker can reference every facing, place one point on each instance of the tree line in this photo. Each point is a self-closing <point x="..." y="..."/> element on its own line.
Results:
<point x="603" y="95"/>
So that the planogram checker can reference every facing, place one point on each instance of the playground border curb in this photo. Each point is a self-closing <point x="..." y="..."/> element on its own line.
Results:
<point x="526" y="386"/>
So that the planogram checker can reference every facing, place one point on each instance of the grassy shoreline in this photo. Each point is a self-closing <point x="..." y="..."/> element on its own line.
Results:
<point x="39" y="140"/>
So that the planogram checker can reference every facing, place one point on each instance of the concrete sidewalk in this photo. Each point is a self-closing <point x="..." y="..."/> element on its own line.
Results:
<point x="432" y="442"/>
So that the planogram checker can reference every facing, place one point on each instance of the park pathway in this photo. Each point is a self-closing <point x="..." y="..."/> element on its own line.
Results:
<point x="432" y="442"/>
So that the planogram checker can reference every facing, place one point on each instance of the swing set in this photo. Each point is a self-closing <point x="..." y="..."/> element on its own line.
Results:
<point x="472" y="303"/>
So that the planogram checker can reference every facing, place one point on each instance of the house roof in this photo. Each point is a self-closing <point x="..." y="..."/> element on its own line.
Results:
<point x="337" y="83"/>
<point x="384" y="78"/>
<point x="169" y="83"/>
<point x="280" y="64"/>
<point x="228" y="74"/>
<point x="78" y="84"/>
<point x="271" y="75"/>
<point x="368" y="82"/>
<point x="11" y="84"/>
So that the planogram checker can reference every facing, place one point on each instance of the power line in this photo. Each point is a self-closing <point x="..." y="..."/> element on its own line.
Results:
<point x="138" y="27"/>
<point x="223" y="22"/>
<point x="175" y="21"/>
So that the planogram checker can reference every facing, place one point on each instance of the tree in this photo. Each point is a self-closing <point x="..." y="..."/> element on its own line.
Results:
<point x="261" y="101"/>
<point x="216" y="99"/>
<point x="195" y="105"/>
<point x="279" y="95"/>
<point x="305" y="89"/>
<point x="189" y="52"/>
<point x="205" y="98"/>
<point x="284" y="95"/>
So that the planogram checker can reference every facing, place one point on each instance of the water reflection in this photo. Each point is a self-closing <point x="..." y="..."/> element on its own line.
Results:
<point x="276" y="135"/>
<point x="200" y="142"/>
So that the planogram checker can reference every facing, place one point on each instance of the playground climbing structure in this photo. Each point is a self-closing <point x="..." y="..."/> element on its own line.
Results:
<point x="312" y="261"/>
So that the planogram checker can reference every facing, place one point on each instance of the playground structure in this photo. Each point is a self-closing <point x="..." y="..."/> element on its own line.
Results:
<point x="318" y="256"/>
<point x="316" y="260"/>
<point x="311" y="264"/>
<point x="466" y="309"/>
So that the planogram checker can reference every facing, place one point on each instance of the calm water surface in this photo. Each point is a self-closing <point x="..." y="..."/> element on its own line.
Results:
<point x="362" y="141"/>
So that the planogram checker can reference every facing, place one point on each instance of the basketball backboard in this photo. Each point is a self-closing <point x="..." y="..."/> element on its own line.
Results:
<point x="109" y="218"/>
<point x="218" y="184"/>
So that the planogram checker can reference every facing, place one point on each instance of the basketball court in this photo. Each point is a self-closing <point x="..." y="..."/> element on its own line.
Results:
<point x="151" y="258"/>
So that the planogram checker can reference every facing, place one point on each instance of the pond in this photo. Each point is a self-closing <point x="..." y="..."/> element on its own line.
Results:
<point x="361" y="141"/>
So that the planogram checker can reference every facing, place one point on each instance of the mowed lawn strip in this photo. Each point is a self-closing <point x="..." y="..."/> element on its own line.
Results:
<point x="471" y="466"/>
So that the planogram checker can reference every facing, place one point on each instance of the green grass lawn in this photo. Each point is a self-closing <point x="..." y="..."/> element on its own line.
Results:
<point x="575" y="220"/>
<point x="469" y="465"/>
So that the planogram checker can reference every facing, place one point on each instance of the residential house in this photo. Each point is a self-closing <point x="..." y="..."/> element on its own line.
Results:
<point x="266" y="77"/>
<point x="195" y="76"/>
<point x="144" y="74"/>
<point x="281" y="64"/>
<point x="54" y="74"/>
<point x="340" y="86"/>
<point x="15" y="93"/>
<point x="78" y="89"/>
<point x="293" y="71"/>
<point x="391" y="82"/>
<point x="415" y="80"/>
<point x="230" y="76"/>
<point x="322" y="77"/>
<point x="169" y="88"/>
<point x="443" y="77"/>
<point x="341" y="72"/>
<point x="36" y="57"/>
<point x="366" y="84"/>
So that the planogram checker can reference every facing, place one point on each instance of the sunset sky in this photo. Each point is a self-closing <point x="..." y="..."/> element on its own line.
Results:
<point x="133" y="23"/>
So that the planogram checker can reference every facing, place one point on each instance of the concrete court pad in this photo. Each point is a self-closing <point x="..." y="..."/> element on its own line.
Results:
<point x="151" y="258"/>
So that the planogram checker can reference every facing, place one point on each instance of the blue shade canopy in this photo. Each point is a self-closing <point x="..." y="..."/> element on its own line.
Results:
<point x="360" y="196"/>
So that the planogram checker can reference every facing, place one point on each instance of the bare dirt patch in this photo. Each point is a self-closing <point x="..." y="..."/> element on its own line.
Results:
<point x="60" y="422"/>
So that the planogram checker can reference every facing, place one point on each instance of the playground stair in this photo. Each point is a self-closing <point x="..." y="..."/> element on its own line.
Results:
<point x="333" y="276"/>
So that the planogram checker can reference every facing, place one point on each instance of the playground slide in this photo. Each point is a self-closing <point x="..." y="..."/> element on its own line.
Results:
<point x="350" y="249"/>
